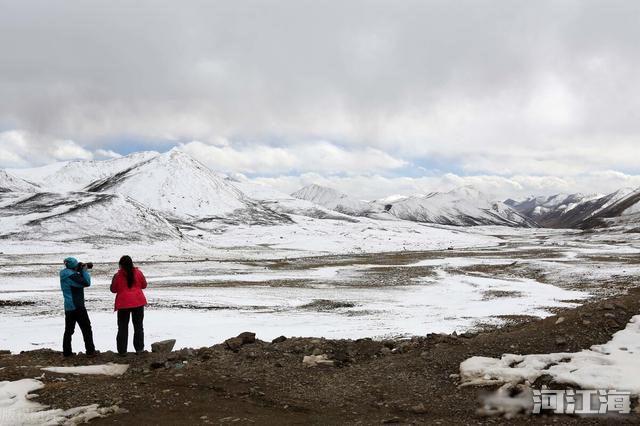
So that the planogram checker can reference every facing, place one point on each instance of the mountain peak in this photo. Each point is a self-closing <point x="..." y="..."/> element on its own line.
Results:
<point x="333" y="199"/>
<point x="10" y="183"/>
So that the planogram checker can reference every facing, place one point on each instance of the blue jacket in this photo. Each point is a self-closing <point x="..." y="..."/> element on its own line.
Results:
<point x="72" y="284"/>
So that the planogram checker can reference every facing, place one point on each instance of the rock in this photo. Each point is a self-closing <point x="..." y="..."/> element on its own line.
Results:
<point x="620" y="305"/>
<point x="157" y="364"/>
<point x="317" y="360"/>
<point x="608" y="306"/>
<point x="234" y="344"/>
<point x="403" y="347"/>
<point x="392" y="420"/>
<point x="561" y="341"/>
<point x="609" y="315"/>
<point x="586" y="322"/>
<point x="385" y="351"/>
<point x="164" y="346"/>
<point x="247" y="337"/>
<point x="560" y="320"/>
<point x="279" y="339"/>
<point x="340" y="356"/>
<point x="419" y="409"/>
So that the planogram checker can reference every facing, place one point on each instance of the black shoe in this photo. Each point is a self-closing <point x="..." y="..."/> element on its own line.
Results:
<point x="122" y="355"/>
<point x="68" y="355"/>
<point x="92" y="354"/>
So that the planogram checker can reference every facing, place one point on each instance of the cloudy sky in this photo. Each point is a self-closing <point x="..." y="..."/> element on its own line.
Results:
<point x="371" y="97"/>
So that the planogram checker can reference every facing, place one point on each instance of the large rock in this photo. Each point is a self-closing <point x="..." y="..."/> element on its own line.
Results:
<point x="235" y="343"/>
<point x="164" y="346"/>
<point x="247" y="337"/>
<point x="279" y="339"/>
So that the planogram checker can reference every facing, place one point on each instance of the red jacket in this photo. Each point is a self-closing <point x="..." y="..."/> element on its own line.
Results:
<point x="129" y="297"/>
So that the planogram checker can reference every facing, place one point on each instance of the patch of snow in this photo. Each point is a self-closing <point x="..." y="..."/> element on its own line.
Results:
<point x="17" y="409"/>
<point x="109" y="369"/>
<point x="614" y="365"/>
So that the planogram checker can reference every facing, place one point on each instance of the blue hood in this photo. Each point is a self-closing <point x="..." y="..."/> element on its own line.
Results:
<point x="71" y="262"/>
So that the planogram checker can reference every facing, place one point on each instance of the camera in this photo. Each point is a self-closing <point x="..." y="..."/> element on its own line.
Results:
<point x="81" y="266"/>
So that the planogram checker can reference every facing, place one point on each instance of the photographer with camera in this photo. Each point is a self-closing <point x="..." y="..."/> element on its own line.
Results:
<point x="73" y="280"/>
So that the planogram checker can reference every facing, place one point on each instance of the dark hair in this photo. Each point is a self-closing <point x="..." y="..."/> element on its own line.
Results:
<point x="127" y="264"/>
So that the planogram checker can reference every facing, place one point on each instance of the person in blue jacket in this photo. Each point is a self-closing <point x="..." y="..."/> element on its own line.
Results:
<point x="73" y="280"/>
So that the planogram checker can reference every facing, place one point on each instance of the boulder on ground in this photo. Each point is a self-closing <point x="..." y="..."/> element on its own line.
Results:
<point x="247" y="337"/>
<point x="165" y="346"/>
<point x="235" y="343"/>
<point x="279" y="339"/>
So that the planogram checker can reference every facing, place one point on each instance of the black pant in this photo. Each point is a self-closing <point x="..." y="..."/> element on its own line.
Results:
<point x="122" y="338"/>
<point x="81" y="317"/>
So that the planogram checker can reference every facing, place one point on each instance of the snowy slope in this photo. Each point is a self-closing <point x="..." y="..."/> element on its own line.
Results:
<point x="577" y="210"/>
<point x="334" y="200"/>
<point x="460" y="207"/>
<point x="543" y="209"/>
<point x="75" y="216"/>
<point x="287" y="204"/>
<point x="75" y="175"/>
<point x="394" y="199"/>
<point x="177" y="184"/>
<point x="10" y="183"/>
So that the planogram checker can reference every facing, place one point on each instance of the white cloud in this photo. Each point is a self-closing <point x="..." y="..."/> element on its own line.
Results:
<point x="315" y="156"/>
<point x="22" y="149"/>
<point x="370" y="187"/>
<point x="492" y="88"/>
<point x="106" y="154"/>
<point x="527" y="96"/>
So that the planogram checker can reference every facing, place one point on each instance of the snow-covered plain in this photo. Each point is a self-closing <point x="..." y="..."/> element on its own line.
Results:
<point x="201" y="302"/>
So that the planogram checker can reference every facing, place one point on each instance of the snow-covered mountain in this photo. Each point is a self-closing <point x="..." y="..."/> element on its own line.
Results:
<point x="178" y="185"/>
<point x="460" y="207"/>
<point x="173" y="189"/>
<point x="75" y="175"/>
<point x="78" y="216"/>
<point x="285" y="203"/>
<point x="10" y="183"/>
<point x="334" y="200"/>
<point x="577" y="210"/>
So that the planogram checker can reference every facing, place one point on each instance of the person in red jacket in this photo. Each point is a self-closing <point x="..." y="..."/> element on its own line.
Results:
<point x="128" y="284"/>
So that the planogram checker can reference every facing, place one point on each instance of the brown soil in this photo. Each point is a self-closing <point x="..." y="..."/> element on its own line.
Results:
<point x="373" y="382"/>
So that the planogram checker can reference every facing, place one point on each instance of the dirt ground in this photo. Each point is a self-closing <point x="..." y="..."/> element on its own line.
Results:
<point x="372" y="382"/>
